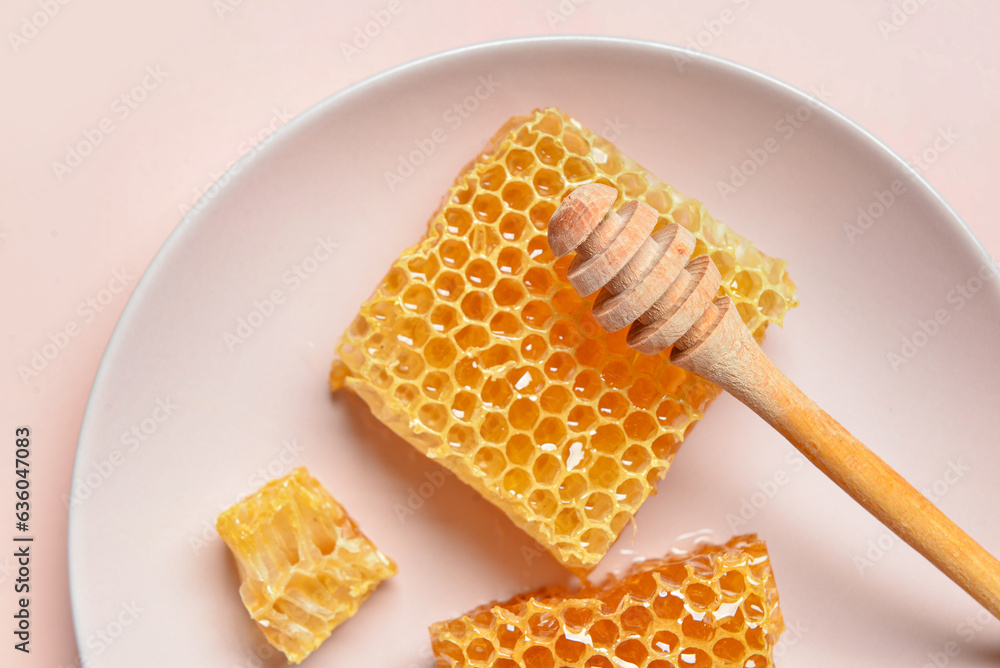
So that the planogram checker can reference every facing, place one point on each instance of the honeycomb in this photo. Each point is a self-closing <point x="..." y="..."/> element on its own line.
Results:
<point x="305" y="566"/>
<point x="717" y="606"/>
<point x="476" y="350"/>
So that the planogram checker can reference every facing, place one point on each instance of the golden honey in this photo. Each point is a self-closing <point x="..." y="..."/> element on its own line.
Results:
<point x="715" y="606"/>
<point x="476" y="350"/>
<point x="304" y="564"/>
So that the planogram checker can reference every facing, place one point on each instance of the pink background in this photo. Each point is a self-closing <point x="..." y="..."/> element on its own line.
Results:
<point x="231" y="69"/>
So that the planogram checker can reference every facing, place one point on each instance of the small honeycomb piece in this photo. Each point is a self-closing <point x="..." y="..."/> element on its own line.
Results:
<point x="305" y="566"/>
<point x="476" y="350"/>
<point x="716" y="606"/>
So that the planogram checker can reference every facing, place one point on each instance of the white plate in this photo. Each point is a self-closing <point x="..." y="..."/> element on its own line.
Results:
<point x="152" y="583"/>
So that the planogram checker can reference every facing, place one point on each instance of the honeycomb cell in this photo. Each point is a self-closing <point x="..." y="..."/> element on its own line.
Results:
<point x="636" y="459"/>
<point x="517" y="195"/>
<point x="498" y="357"/>
<point x="486" y="207"/>
<point x="436" y="385"/>
<point x="548" y="182"/>
<point x="587" y="385"/>
<point x="533" y="348"/>
<point x="640" y="426"/>
<point x="495" y="311"/>
<point x="508" y="292"/>
<point x="598" y="506"/>
<point x="608" y="438"/>
<point x="493" y="177"/>
<point x="560" y="366"/>
<point x="622" y="623"/>
<point x="409" y="366"/>
<point x="490" y="461"/>
<point x="476" y="306"/>
<point x="511" y="261"/>
<point x="454" y="253"/>
<point x="540" y="214"/>
<point x="538" y="246"/>
<point x="494" y="429"/>
<point x="496" y="393"/>
<point x="524" y="414"/>
<point x="630" y="493"/>
<point x="581" y="418"/>
<point x="480" y="273"/>
<point x="506" y="325"/>
<point x="464" y="406"/>
<point x="543" y="502"/>
<point x="538" y="281"/>
<point x="537" y="315"/>
<point x="512" y="226"/>
<point x="433" y="416"/>
<point x="579" y="169"/>
<point x="462" y="439"/>
<point x="418" y="298"/>
<point x="555" y="399"/>
<point x="633" y="185"/>
<point x="520" y="449"/>
<point x="517" y="481"/>
<point x="549" y="151"/>
<point x="443" y="319"/>
<point x="604" y="472"/>
<point x="449" y="286"/>
<point x="468" y="374"/>
<point x="572" y="486"/>
<point x="304" y="564"/>
<point x="527" y="380"/>
<point x="457" y="221"/>
<point x="472" y="336"/>
<point x="546" y="469"/>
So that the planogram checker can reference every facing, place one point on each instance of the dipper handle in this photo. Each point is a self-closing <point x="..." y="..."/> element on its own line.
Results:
<point x="648" y="281"/>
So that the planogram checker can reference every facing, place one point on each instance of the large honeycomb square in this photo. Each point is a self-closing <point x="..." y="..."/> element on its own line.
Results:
<point x="715" y="606"/>
<point x="476" y="350"/>
<point x="304" y="564"/>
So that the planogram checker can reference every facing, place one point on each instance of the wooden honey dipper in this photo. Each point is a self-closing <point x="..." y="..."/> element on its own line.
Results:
<point x="647" y="280"/>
